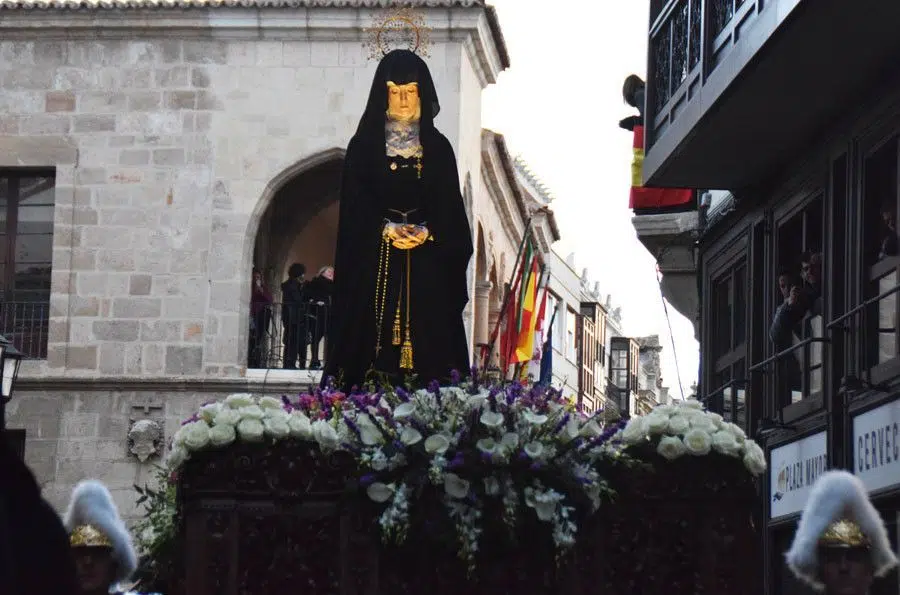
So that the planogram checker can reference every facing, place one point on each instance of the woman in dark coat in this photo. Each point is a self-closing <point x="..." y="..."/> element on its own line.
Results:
<point x="404" y="242"/>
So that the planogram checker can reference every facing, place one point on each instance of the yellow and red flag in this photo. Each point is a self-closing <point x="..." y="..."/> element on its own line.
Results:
<point x="651" y="198"/>
<point x="525" y="342"/>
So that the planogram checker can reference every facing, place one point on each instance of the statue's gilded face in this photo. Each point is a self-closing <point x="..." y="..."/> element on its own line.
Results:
<point x="403" y="102"/>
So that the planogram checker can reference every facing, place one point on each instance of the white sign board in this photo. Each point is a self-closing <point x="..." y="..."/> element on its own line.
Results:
<point x="876" y="446"/>
<point x="793" y="469"/>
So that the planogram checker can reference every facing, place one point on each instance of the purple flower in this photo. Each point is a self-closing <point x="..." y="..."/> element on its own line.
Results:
<point x="367" y="480"/>
<point x="285" y="400"/>
<point x="402" y="394"/>
<point x="434" y="387"/>
<point x="353" y="427"/>
<point x="562" y="423"/>
<point x="535" y="466"/>
<point x="454" y="377"/>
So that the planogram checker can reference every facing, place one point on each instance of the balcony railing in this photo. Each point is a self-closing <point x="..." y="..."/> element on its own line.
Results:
<point x="291" y="337"/>
<point x="688" y="39"/>
<point x="26" y="325"/>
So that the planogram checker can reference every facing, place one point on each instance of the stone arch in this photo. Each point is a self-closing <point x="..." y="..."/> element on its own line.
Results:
<point x="297" y="213"/>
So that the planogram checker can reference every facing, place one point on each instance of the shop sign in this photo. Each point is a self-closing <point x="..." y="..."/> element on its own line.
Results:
<point x="793" y="470"/>
<point x="876" y="446"/>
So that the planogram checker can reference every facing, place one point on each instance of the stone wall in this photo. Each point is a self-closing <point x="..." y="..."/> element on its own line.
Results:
<point x="167" y="153"/>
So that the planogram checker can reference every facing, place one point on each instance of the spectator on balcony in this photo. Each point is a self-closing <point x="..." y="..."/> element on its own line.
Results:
<point x="318" y="293"/>
<point x="811" y="271"/>
<point x="633" y="91"/>
<point x="293" y="318"/>
<point x="889" y="234"/>
<point x="260" y="319"/>
<point x="785" y="329"/>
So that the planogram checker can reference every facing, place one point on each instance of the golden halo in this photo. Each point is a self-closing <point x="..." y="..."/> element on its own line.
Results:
<point x="400" y="23"/>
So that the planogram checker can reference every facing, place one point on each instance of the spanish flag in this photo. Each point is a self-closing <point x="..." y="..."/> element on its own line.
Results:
<point x="651" y="198"/>
<point x="525" y="342"/>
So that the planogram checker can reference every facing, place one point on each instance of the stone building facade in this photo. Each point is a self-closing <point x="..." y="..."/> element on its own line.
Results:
<point x="169" y="133"/>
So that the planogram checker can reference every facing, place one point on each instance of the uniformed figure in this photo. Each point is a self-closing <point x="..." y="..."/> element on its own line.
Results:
<point x="841" y="544"/>
<point x="100" y="541"/>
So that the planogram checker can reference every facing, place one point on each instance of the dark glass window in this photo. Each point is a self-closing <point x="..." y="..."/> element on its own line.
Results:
<point x="729" y="330"/>
<point x="27" y="200"/>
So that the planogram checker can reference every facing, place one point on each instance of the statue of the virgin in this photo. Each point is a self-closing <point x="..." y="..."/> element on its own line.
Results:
<point x="404" y="241"/>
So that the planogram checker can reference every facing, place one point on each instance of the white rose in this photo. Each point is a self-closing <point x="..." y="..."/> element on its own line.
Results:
<point x="492" y="419"/>
<point x="239" y="400"/>
<point x="656" y="423"/>
<point x="664" y="409"/>
<point x="178" y="438"/>
<point x="252" y="412"/>
<point x="491" y="486"/>
<point x="437" y="444"/>
<point x="277" y="414"/>
<point x="486" y="445"/>
<point x="277" y="427"/>
<point x="591" y="429"/>
<point x="754" y="458"/>
<point x="177" y="456"/>
<point x="697" y="442"/>
<point x="380" y="492"/>
<point x="703" y="422"/>
<point x="300" y="426"/>
<point x="222" y="435"/>
<point x="325" y="435"/>
<point x="227" y="417"/>
<point x="196" y="435"/>
<point x="404" y="410"/>
<point x="477" y="401"/>
<point x="723" y="442"/>
<point x="737" y="432"/>
<point x="251" y="430"/>
<point x="410" y="436"/>
<point x="455" y="486"/>
<point x="679" y="424"/>
<point x="271" y="403"/>
<point x="634" y="432"/>
<point x="208" y="412"/>
<point x="671" y="447"/>
<point x="692" y="404"/>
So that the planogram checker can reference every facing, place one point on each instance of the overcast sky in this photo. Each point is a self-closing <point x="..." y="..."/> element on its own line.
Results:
<point x="559" y="106"/>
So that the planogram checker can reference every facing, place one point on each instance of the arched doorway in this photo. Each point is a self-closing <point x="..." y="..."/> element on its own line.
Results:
<point x="299" y="225"/>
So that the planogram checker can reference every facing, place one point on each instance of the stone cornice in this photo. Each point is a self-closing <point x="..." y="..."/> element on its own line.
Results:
<point x="502" y="186"/>
<point x="474" y="26"/>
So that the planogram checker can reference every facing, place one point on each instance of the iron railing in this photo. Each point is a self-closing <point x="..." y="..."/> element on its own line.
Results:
<point x="26" y="324"/>
<point x="279" y="334"/>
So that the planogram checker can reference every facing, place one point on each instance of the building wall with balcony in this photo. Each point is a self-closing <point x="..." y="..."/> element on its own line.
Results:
<point x="153" y="152"/>
<point x="814" y="377"/>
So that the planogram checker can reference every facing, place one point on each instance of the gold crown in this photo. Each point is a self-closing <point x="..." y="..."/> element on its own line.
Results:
<point x="88" y="536"/>
<point x="844" y="533"/>
<point x="402" y="28"/>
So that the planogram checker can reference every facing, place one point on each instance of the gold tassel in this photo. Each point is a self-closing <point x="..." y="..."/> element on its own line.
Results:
<point x="406" y="354"/>
<point x="396" y="340"/>
<point x="406" y="351"/>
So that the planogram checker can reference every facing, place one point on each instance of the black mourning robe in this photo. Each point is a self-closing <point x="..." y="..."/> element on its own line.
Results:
<point x="371" y="191"/>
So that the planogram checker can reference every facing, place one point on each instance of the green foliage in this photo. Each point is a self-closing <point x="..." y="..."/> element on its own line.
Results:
<point x="156" y="533"/>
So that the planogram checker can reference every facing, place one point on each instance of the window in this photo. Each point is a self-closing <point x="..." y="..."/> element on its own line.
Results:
<point x="27" y="199"/>
<point x="880" y="201"/>
<point x="571" y="333"/>
<point x="798" y="322"/>
<point x="728" y="332"/>
<point x="552" y="321"/>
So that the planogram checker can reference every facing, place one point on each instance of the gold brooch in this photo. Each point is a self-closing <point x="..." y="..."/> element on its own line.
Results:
<point x="393" y="166"/>
<point x="844" y="533"/>
<point x="88" y="536"/>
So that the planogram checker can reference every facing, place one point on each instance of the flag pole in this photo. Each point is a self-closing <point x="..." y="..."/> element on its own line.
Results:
<point x="488" y="350"/>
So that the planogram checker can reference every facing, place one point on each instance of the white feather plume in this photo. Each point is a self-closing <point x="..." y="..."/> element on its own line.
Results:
<point x="837" y="495"/>
<point x="92" y="504"/>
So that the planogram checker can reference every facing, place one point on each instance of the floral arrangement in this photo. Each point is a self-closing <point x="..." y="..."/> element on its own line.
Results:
<point x="155" y="532"/>
<point x="686" y="428"/>
<point x="520" y="448"/>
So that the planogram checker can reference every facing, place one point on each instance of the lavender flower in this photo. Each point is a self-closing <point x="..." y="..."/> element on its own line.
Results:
<point x="454" y="377"/>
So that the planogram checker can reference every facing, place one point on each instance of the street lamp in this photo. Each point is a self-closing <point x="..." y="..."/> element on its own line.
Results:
<point x="10" y="358"/>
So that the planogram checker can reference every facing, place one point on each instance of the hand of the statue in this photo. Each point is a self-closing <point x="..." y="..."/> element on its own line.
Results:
<point x="405" y="236"/>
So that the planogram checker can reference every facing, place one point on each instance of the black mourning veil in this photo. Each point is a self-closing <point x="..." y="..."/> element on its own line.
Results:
<point x="401" y="67"/>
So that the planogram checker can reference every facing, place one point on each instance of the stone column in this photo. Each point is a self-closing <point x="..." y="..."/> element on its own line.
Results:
<point x="482" y="305"/>
<point x="495" y="306"/>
